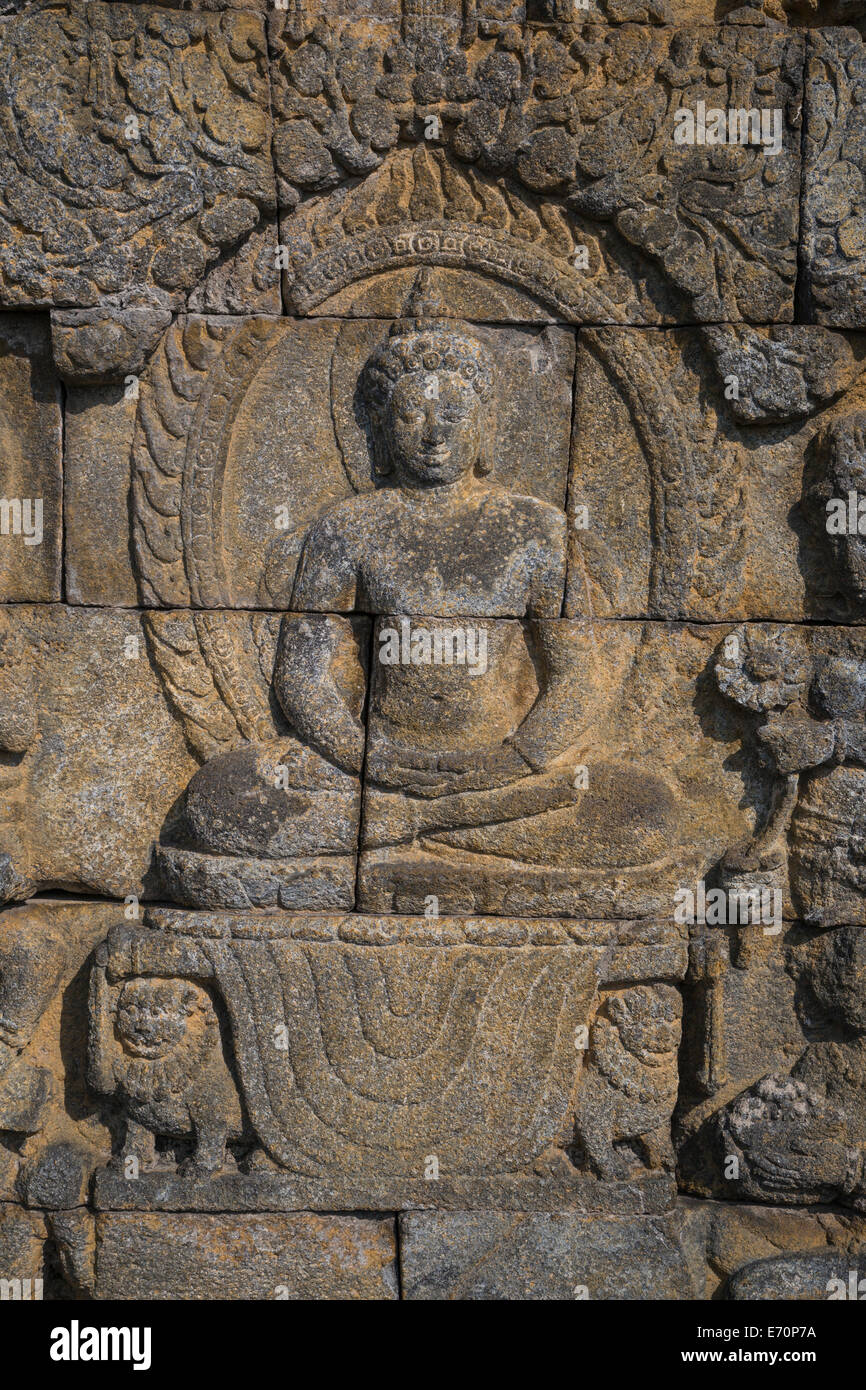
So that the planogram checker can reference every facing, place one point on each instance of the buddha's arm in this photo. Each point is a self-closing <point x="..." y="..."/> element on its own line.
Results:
<point x="326" y="581"/>
<point x="553" y="723"/>
<point x="547" y="586"/>
<point x="311" y="650"/>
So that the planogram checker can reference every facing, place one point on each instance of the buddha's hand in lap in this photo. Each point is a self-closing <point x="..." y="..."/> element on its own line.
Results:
<point x="420" y="772"/>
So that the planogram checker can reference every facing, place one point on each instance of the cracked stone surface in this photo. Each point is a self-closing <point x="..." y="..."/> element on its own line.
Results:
<point x="432" y="650"/>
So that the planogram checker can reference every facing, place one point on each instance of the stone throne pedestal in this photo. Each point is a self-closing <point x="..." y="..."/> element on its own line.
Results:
<point x="386" y="1063"/>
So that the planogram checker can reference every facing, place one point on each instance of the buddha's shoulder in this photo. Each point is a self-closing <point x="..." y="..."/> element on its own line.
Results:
<point x="527" y="513"/>
<point x="348" y="518"/>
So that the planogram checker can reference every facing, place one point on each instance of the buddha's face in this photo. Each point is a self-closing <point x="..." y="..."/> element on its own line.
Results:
<point x="433" y="428"/>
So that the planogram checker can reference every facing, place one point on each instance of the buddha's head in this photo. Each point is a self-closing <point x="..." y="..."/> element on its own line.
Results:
<point x="427" y="389"/>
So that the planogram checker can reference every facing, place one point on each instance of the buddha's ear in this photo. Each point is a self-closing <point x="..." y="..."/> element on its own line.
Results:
<point x="373" y="424"/>
<point x="379" y="455"/>
<point x="485" y="462"/>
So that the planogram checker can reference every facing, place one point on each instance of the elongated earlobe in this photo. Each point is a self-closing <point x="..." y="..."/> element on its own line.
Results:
<point x="486" y="453"/>
<point x="379" y="456"/>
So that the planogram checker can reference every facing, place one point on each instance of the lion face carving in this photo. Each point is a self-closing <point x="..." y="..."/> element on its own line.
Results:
<point x="153" y="1016"/>
<point x="648" y="1022"/>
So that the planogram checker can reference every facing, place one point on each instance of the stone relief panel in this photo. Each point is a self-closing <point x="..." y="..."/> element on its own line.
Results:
<point x="442" y="667"/>
<point x="834" y="210"/>
<point x="547" y="157"/>
<point x="137" y="159"/>
<point x="171" y="694"/>
<point x="220" y="439"/>
<point x="522" y="788"/>
<point x="804" y="686"/>
<point x="393" y="1046"/>
<point x="776" y="1116"/>
<point x="271" y="818"/>
<point x="53" y="1133"/>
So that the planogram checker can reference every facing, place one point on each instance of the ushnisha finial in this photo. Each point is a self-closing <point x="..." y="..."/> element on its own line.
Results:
<point x="424" y="307"/>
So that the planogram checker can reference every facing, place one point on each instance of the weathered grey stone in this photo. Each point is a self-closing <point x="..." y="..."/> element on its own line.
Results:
<point x="94" y="347"/>
<point x="31" y="485"/>
<point x="799" y="1138"/>
<point x="702" y="467"/>
<point x="496" y="1255"/>
<point x="803" y="1277"/>
<point x="22" y="1264"/>
<point x="751" y="12"/>
<point x="97" y="472"/>
<point x="775" y="1112"/>
<point x="454" y="522"/>
<point x="539" y="153"/>
<point x="134" y="167"/>
<point x="274" y="823"/>
<point x="147" y="1256"/>
<point x="650" y="1195"/>
<point x="99" y="760"/>
<point x="426" y="1062"/>
<point x="243" y="281"/>
<point x="25" y="1094"/>
<point x="552" y="781"/>
<point x="701" y="1250"/>
<point x="45" y="1107"/>
<point x="73" y="1235"/>
<point x="742" y="1021"/>
<point x="288" y="453"/>
<point x="834" y="205"/>
<point x="808" y="689"/>
<point x="164" y="695"/>
<point x="58" y="1176"/>
<point x="741" y="1242"/>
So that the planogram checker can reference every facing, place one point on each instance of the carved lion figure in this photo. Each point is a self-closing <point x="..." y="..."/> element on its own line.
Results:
<point x="170" y="1073"/>
<point x="629" y="1083"/>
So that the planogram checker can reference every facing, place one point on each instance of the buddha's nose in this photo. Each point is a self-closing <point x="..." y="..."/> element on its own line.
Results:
<point x="434" y="431"/>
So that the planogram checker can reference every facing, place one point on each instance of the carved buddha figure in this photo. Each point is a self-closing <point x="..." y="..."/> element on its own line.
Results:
<point x="440" y="537"/>
<point x="439" y="542"/>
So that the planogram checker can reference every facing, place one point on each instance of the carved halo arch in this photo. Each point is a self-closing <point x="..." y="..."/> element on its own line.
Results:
<point x="187" y="517"/>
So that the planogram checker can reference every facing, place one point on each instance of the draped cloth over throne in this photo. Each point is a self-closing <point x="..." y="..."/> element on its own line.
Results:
<point x="366" y="1048"/>
<point x="465" y="1052"/>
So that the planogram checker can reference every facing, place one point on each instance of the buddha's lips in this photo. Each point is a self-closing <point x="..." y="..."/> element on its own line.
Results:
<point x="149" y="1051"/>
<point x="435" y="462"/>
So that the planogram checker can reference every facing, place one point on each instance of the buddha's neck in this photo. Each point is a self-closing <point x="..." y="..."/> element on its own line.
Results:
<point x="437" y="495"/>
